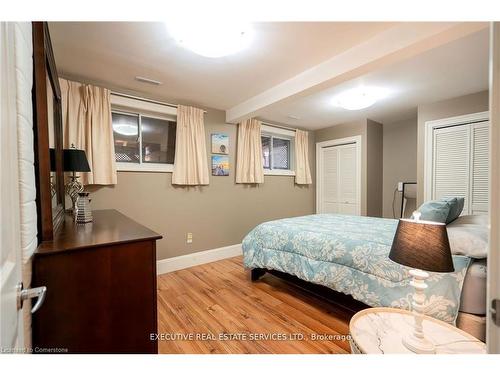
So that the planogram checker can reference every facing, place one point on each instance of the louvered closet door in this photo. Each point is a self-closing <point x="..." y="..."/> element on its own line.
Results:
<point x="339" y="180"/>
<point x="330" y="194"/>
<point x="451" y="163"/>
<point x="347" y="183"/>
<point x="480" y="168"/>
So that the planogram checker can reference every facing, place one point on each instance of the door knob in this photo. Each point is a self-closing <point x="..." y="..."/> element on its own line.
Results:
<point x="24" y="294"/>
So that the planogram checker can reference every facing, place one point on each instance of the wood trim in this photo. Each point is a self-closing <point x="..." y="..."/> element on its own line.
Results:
<point x="195" y="259"/>
<point x="41" y="135"/>
<point x="51" y="63"/>
<point x="48" y="219"/>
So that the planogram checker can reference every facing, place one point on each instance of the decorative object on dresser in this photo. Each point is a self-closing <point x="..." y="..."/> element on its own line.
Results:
<point x="75" y="161"/>
<point x="423" y="246"/>
<point x="83" y="213"/>
<point x="380" y="330"/>
<point x="101" y="287"/>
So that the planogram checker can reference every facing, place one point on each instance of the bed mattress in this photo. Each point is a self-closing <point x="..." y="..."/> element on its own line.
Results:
<point x="349" y="254"/>
<point x="473" y="300"/>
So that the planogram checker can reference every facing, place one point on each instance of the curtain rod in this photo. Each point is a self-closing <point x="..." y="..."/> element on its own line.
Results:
<point x="146" y="100"/>
<point x="278" y="126"/>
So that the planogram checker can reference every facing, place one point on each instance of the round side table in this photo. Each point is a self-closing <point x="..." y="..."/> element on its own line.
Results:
<point x="380" y="331"/>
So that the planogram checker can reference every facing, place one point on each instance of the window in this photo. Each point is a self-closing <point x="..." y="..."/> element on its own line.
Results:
<point x="144" y="140"/>
<point x="126" y="135"/>
<point x="277" y="150"/>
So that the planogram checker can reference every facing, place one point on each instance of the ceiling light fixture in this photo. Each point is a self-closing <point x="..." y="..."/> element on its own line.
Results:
<point x="212" y="39"/>
<point x="125" y="129"/>
<point x="359" y="98"/>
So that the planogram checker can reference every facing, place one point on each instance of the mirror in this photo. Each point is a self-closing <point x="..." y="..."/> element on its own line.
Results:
<point x="48" y="135"/>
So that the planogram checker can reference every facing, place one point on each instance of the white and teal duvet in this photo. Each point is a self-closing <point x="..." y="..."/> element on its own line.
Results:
<point x="350" y="254"/>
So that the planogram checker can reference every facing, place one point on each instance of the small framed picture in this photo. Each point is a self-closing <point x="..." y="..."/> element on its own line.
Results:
<point x="220" y="165"/>
<point x="220" y="144"/>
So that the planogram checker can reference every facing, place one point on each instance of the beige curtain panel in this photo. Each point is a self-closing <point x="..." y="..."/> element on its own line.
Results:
<point x="249" y="169"/>
<point x="190" y="165"/>
<point x="86" y="113"/>
<point x="302" y="170"/>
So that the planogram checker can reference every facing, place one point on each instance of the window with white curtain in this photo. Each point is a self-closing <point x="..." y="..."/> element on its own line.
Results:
<point x="460" y="164"/>
<point x="277" y="150"/>
<point x="144" y="135"/>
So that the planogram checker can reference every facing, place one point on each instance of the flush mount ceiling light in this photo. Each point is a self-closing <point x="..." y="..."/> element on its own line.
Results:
<point x="359" y="97"/>
<point x="125" y="129"/>
<point x="212" y="39"/>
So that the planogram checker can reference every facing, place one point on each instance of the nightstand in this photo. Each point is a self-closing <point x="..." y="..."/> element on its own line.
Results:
<point x="380" y="330"/>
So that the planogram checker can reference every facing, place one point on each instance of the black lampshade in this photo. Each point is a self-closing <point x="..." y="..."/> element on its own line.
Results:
<point x="75" y="161"/>
<point x="422" y="245"/>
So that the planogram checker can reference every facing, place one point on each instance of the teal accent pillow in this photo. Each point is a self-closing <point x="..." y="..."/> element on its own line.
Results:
<point x="436" y="211"/>
<point x="456" y="207"/>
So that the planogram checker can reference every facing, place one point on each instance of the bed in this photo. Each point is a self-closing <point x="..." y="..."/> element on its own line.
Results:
<point x="349" y="254"/>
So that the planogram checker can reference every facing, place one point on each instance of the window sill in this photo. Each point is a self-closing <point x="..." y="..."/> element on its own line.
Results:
<point x="278" y="172"/>
<point x="145" y="167"/>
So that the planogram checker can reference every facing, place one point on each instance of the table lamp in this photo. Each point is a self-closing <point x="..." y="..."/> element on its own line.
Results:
<point x="423" y="246"/>
<point x="75" y="161"/>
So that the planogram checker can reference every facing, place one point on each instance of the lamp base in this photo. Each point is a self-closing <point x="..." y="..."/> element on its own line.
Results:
<point x="74" y="187"/>
<point x="416" y="341"/>
<point x="419" y="345"/>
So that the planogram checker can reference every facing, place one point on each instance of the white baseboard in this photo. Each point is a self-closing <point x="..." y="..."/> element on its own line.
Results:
<point x="201" y="257"/>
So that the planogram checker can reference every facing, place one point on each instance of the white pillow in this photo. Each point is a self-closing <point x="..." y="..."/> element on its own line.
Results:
<point x="483" y="220"/>
<point x="468" y="236"/>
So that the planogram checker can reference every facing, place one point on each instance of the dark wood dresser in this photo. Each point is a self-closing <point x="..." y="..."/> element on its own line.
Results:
<point x="101" y="287"/>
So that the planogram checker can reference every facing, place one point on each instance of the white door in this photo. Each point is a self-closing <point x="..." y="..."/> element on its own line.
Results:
<point x="11" y="333"/>
<point x="492" y="328"/>
<point x="330" y="201"/>
<point x="460" y="165"/>
<point x="338" y="178"/>
<point x="451" y="167"/>
<point x="347" y="180"/>
<point x="17" y="206"/>
<point x="480" y="134"/>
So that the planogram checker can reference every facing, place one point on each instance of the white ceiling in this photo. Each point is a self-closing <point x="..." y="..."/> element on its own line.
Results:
<point x="112" y="54"/>
<point x="115" y="52"/>
<point x="454" y="69"/>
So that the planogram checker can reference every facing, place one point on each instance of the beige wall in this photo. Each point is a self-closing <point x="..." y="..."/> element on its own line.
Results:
<point x="462" y="105"/>
<point x="374" y="168"/>
<point x="400" y="160"/>
<point x="219" y="214"/>
<point x="371" y="149"/>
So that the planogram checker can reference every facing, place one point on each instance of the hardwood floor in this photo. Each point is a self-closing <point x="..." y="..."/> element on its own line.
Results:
<point x="219" y="298"/>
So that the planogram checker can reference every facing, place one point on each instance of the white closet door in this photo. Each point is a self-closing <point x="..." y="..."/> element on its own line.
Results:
<point x="480" y="168"/>
<point x="451" y="163"/>
<point x="339" y="181"/>
<point x="347" y="183"/>
<point x="330" y="194"/>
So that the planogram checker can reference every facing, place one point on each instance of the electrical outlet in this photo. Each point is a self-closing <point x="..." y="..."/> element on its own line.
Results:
<point x="400" y="186"/>
<point x="189" y="238"/>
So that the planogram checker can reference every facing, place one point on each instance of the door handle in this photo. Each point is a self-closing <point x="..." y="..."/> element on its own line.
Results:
<point x="24" y="294"/>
